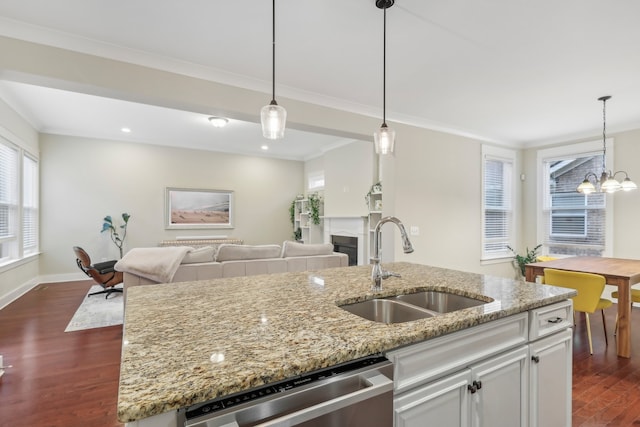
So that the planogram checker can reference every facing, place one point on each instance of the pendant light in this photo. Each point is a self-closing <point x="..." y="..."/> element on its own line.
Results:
<point x="273" y="116"/>
<point x="607" y="182"/>
<point x="384" y="138"/>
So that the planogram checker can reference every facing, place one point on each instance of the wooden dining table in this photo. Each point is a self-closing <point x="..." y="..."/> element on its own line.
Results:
<point x="618" y="272"/>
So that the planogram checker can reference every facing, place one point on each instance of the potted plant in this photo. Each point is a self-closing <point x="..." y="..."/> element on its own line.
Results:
<point x="108" y="225"/>
<point x="314" y="208"/>
<point x="297" y="234"/>
<point x="522" y="260"/>
<point x="375" y="189"/>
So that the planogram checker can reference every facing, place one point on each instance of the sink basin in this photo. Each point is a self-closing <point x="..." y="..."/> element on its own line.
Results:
<point x="386" y="311"/>
<point x="440" y="302"/>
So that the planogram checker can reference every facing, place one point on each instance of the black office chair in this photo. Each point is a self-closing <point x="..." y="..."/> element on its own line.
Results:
<point x="102" y="273"/>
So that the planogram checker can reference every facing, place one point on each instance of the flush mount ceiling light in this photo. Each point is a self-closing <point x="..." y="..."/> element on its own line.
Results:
<point x="273" y="116"/>
<point x="218" y="122"/>
<point x="384" y="138"/>
<point x="607" y="182"/>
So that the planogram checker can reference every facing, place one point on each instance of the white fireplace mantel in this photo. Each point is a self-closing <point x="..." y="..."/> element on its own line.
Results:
<point x="349" y="226"/>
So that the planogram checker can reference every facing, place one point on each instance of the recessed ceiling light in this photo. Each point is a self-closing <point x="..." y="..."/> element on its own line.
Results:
<point x="218" y="122"/>
<point x="265" y="147"/>
<point x="125" y="130"/>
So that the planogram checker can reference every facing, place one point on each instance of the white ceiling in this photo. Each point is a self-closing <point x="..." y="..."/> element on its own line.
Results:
<point x="515" y="72"/>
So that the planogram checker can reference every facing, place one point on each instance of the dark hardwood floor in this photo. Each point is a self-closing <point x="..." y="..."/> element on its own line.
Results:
<point x="71" y="379"/>
<point x="58" y="379"/>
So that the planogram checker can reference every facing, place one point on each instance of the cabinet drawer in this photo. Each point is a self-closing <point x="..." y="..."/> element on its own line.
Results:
<point x="426" y="361"/>
<point x="546" y="320"/>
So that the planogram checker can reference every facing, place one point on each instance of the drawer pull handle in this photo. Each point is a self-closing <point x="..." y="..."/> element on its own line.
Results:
<point x="556" y="320"/>
<point x="535" y="359"/>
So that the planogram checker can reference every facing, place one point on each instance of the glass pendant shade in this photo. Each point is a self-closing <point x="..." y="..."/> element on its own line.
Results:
<point x="610" y="185"/>
<point x="273" y="118"/>
<point x="628" y="185"/>
<point x="384" y="140"/>
<point x="586" y="187"/>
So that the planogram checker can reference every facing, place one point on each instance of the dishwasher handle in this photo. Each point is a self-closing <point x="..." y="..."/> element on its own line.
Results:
<point x="379" y="384"/>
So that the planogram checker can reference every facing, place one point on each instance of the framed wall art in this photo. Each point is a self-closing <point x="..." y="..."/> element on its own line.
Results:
<point x="189" y="208"/>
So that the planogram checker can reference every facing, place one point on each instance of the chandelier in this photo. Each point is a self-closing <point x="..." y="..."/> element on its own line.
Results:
<point x="607" y="182"/>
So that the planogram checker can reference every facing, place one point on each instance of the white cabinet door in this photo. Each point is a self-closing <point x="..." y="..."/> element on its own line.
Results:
<point x="499" y="390"/>
<point x="550" y="381"/>
<point x="443" y="403"/>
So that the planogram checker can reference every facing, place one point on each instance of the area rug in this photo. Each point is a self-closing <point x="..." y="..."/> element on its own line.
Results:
<point x="97" y="312"/>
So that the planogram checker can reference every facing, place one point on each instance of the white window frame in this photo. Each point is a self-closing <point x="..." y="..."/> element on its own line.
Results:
<point x="589" y="148"/>
<point x="507" y="156"/>
<point x="315" y="181"/>
<point x="17" y="252"/>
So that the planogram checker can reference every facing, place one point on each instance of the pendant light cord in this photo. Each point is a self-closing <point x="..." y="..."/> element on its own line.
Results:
<point x="384" y="68"/>
<point x="604" y="134"/>
<point x="273" y="52"/>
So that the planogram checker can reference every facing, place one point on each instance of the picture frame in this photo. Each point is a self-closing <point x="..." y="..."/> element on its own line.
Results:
<point x="191" y="208"/>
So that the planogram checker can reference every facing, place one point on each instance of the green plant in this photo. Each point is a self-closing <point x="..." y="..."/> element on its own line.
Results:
<point x="521" y="260"/>
<point x="108" y="225"/>
<point x="314" y="208"/>
<point x="297" y="235"/>
<point x="292" y="212"/>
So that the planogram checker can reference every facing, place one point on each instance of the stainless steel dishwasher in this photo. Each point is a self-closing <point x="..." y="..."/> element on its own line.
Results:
<point x="354" y="394"/>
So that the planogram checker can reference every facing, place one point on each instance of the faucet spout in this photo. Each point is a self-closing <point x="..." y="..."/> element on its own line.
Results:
<point x="377" y="272"/>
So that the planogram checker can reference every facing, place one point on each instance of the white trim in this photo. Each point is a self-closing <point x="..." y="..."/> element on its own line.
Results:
<point x="16" y="293"/>
<point x="507" y="155"/>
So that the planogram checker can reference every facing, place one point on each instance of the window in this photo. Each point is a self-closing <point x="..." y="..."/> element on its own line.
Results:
<point x="497" y="202"/>
<point x="18" y="203"/>
<point x="571" y="223"/>
<point x="315" y="181"/>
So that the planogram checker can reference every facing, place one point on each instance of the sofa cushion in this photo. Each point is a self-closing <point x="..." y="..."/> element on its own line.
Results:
<point x="204" y="254"/>
<point x="230" y="252"/>
<point x="290" y="249"/>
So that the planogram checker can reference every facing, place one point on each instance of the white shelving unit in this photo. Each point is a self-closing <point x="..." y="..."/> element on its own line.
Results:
<point x="311" y="233"/>
<point x="374" y="215"/>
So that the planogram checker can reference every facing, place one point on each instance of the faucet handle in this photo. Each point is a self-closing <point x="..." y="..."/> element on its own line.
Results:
<point x="386" y="274"/>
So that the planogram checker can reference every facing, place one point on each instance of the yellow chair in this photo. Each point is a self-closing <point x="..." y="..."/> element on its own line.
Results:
<point x="545" y="258"/>
<point x="588" y="300"/>
<point x="635" y="297"/>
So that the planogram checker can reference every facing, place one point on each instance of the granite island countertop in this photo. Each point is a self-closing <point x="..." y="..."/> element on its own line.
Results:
<point x="186" y="343"/>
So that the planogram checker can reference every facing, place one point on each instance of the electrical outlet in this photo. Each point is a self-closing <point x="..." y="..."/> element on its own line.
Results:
<point x="414" y="230"/>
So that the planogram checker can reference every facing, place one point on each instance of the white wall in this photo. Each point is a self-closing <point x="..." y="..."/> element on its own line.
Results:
<point x="349" y="174"/>
<point x="83" y="180"/>
<point x="438" y="189"/>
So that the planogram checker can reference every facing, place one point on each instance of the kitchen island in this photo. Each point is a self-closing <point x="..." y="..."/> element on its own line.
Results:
<point x="185" y="343"/>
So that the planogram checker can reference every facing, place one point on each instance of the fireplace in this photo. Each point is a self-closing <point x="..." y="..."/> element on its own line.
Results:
<point x="346" y="245"/>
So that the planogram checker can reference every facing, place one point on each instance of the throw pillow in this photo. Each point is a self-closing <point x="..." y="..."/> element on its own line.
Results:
<point x="231" y="252"/>
<point x="204" y="254"/>
<point x="291" y="249"/>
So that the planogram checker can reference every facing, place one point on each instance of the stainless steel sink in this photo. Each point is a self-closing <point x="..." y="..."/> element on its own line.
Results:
<point x="386" y="311"/>
<point x="440" y="302"/>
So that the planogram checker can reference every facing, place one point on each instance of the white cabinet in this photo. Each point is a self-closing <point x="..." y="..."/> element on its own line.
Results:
<point x="443" y="403"/>
<point x="510" y="372"/>
<point x="550" y="380"/>
<point x="499" y="390"/>
<point x="492" y="393"/>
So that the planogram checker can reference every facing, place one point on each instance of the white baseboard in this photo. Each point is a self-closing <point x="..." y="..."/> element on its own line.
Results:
<point x="8" y="298"/>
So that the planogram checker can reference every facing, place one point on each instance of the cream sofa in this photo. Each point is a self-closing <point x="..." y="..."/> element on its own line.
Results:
<point x="230" y="260"/>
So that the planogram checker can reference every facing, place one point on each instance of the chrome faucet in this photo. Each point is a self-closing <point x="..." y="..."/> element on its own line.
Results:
<point x="378" y="273"/>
